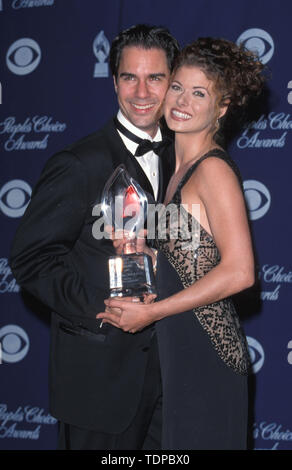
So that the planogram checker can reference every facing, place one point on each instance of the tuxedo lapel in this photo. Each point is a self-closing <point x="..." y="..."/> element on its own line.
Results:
<point x="166" y="169"/>
<point x="138" y="174"/>
<point x="121" y="155"/>
<point x="161" y="179"/>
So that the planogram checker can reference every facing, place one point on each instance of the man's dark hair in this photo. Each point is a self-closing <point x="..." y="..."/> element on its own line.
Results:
<point x="146" y="37"/>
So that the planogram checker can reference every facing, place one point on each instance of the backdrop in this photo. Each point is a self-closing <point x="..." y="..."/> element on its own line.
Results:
<point x="56" y="88"/>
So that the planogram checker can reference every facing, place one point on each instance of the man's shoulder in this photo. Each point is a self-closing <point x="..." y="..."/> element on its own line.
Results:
<point x="91" y="155"/>
<point x="98" y="141"/>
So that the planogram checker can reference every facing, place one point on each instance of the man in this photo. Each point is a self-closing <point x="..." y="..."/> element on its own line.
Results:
<point x="104" y="383"/>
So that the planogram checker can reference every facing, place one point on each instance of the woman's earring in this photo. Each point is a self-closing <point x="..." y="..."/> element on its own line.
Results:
<point x="217" y="125"/>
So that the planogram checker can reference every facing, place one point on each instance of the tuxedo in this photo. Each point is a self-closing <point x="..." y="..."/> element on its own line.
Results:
<point x="96" y="374"/>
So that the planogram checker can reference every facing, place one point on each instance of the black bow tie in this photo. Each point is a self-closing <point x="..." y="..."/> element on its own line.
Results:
<point x="145" y="145"/>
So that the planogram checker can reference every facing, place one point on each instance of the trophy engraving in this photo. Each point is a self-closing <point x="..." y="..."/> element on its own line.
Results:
<point x="124" y="207"/>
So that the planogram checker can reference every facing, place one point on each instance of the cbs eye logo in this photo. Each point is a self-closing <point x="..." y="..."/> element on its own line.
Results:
<point x="289" y="98"/>
<point x="289" y="346"/>
<point x="256" y="354"/>
<point x="14" y="343"/>
<point x="23" y="56"/>
<point x="14" y="198"/>
<point x="257" y="197"/>
<point x="258" y="41"/>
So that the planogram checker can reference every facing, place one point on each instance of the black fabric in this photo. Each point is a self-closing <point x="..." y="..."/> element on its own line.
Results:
<point x="144" y="432"/>
<point x="204" y="400"/>
<point x="203" y="352"/>
<point x="56" y="258"/>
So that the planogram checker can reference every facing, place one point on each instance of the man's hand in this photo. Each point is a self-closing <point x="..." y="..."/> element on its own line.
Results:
<point x="117" y="309"/>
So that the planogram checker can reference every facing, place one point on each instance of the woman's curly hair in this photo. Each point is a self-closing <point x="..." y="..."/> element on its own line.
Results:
<point x="236" y="72"/>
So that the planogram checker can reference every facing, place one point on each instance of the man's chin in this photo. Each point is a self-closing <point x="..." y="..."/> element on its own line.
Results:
<point x="147" y="125"/>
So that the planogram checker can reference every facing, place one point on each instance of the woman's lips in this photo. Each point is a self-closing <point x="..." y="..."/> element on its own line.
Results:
<point x="179" y="115"/>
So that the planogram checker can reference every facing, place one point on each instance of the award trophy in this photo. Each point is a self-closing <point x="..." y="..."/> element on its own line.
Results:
<point x="124" y="207"/>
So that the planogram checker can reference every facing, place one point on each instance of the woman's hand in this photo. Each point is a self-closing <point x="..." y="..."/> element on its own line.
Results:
<point x="129" y="314"/>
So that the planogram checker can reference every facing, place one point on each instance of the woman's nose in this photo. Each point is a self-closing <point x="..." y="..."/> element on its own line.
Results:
<point x="183" y="99"/>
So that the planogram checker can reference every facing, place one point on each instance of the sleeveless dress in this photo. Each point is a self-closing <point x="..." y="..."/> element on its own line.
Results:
<point x="203" y="352"/>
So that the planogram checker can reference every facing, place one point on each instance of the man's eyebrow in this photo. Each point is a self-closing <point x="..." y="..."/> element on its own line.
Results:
<point x="126" y="74"/>
<point x="154" y="75"/>
<point x="151" y="75"/>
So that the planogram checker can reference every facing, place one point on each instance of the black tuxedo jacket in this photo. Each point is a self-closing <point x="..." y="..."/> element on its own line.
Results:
<point x="96" y="374"/>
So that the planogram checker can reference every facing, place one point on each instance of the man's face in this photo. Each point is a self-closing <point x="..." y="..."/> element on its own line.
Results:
<point x="141" y="84"/>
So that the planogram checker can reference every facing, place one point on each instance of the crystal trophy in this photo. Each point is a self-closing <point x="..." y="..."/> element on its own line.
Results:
<point x="124" y="207"/>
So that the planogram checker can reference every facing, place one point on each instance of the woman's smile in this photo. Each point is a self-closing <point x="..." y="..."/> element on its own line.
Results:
<point x="179" y="115"/>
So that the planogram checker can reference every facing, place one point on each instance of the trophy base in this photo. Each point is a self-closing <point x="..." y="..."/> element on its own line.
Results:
<point x="131" y="275"/>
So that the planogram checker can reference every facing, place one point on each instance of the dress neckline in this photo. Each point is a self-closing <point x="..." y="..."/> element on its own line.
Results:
<point x="215" y="152"/>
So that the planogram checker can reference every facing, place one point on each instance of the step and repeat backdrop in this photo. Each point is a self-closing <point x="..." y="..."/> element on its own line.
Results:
<point x="56" y="87"/>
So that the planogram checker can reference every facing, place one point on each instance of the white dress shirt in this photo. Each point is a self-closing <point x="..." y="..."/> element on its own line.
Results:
<point x="149" y="161"/>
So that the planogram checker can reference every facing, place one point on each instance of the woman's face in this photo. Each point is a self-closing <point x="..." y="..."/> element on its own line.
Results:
<point x="191" y="102"/>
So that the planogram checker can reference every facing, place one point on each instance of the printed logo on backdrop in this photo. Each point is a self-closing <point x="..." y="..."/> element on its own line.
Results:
<point x="256" y="353"/>
<point x="17" y="4"/>
<point x="8" y="284"/>
<point x="258" y="41"/>
<point x="269" y="131"/>
<point x="274" y="277"/>
<point x="14" y="198"/>
<point x="270" y="436"/>
<point x="23" y="56"/>
<point x="101" y="48"/>
<point x="289" y="97"/>
<point x="14" y="343"/>
<point x="25" y="422"/>
<point x="289" y="357"/>
<point x="258" y="198"/>
<point x="19" y="133"/>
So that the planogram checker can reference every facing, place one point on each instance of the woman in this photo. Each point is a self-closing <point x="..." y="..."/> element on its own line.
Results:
<point x="203" y="351"/>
